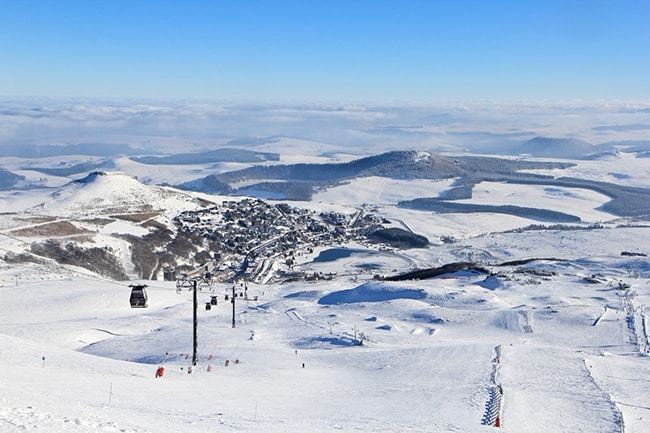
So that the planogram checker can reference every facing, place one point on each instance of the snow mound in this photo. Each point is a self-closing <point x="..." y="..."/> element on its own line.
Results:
<point x="304" y="294"/>
<point x="371" y="292"/>
<point x="516" y="320"/>
<point x="491" y="283"/>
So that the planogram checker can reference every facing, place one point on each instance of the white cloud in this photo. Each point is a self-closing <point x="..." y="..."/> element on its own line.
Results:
<point x="160" y="125"/>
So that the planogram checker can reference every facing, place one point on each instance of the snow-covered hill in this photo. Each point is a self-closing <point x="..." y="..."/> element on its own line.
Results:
<point x="96" y="222"/>
<point x="549" y="331"/>
<point x="556" y="148"/>
<point x="102" y="193"/>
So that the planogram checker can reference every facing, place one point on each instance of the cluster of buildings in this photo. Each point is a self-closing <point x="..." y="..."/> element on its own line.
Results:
<point x="241" y="235"/>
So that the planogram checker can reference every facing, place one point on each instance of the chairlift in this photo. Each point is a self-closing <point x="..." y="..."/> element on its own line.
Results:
<point x="138" y="297"/>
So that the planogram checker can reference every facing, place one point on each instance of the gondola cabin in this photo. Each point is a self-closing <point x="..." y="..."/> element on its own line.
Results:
<point x="138" y="297"/>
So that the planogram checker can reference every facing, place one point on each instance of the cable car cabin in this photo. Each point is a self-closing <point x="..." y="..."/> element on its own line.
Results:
<point x="138" y="296"/>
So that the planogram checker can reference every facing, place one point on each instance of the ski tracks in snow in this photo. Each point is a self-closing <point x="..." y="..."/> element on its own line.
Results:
<point x="561" y="394"/>
<point x="294" y="315"/>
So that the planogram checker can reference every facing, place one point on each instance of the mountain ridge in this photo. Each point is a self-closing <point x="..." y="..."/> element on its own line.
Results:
<point x="550" y="147"/>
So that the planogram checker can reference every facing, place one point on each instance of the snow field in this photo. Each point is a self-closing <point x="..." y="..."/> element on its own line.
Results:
<point x="428" y="364"/>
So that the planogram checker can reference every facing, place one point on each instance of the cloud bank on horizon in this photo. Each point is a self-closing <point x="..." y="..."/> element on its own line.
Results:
<point x="326" y="50"/>
<point x="173" y="126"/>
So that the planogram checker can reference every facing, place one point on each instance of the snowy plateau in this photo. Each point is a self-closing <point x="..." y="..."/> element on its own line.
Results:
<point x="525" y="311"/>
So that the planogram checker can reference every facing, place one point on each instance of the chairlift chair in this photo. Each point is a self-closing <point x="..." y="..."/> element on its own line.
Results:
<point x="138" y="297"/>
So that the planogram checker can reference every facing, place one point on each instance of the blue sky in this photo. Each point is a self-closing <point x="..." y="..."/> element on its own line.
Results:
<point x="333" y="50"/>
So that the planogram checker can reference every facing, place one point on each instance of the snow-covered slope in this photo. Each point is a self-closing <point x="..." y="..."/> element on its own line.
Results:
<point x="447" y="354"/>
<point x="559" y="343"/>
<point x="521" y="344"/>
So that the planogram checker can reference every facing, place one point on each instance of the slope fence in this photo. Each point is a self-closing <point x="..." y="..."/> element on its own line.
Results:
<point x="635" y="319"/>
<point x="492" y="415"/>
<point x="644" y="326"/>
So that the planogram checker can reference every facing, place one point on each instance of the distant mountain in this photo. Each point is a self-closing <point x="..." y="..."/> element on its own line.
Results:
<point x="212" y="156"/>
<point x="556" y="147"/>
<point x="49" y="150"/>
<point x="297" y="181"/>
<point x="65" y="171"/>
<point x="8" y="179"/>
<point x="396" y="165"/>
<point x="253" y="141"/>
<point x="631" y="145"/>
<point x="209" y="185"/>
<point x="603" y="155"/>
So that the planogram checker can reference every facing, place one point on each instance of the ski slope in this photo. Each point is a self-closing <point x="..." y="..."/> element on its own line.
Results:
<point x="568" y="355"/>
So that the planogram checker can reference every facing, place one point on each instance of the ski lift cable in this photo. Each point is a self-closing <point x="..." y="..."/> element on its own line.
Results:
<point x="14" y="238"/>
<point x="90" y="276"/>
<point x="18" y="264"/>
<point x="56" y="253"/>
<point x="233" y="351"/>
<point x="8" y="251"/>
